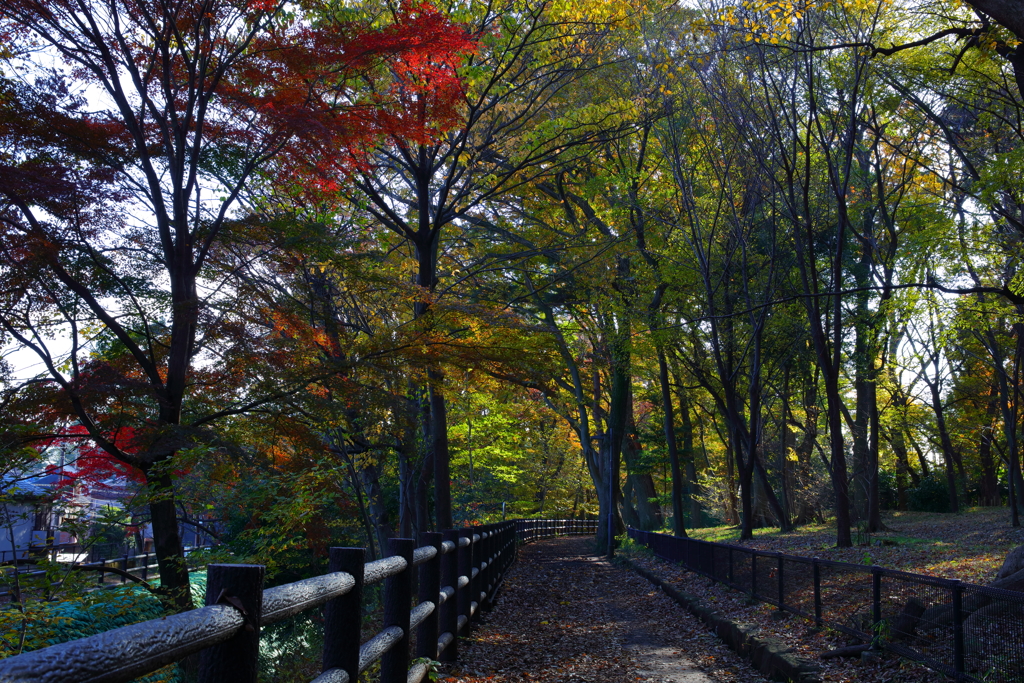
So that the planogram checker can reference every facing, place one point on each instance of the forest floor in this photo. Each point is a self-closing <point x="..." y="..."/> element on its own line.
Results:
<point x="566" y="615"/>
<point x="969" y="546"/>
<point x="806" y="642"/>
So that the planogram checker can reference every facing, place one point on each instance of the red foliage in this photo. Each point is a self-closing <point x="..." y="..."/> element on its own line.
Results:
<point x="94" y="468"/>
<point x="342" y="92"/>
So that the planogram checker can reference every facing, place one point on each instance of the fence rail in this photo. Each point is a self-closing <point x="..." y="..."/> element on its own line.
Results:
<point x="967" y="632"/>
<point x="459" y="571"/>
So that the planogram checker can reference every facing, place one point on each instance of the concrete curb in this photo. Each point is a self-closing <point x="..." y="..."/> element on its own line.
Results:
<point x="771" y="657"/>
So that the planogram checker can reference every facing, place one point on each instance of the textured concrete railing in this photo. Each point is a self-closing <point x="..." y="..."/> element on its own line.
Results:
<point x="458" y="572"/>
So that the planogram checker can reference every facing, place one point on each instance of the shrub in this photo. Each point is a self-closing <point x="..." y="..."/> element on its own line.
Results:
<point x="931" y="495"/>
<point x="50" y="623"/>
<point x="888" y="495"/>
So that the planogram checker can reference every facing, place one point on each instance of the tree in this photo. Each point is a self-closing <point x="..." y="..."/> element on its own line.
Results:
<point x="114" y="205"/>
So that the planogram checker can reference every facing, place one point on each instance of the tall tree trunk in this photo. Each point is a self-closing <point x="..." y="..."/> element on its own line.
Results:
<point x="174" y="582"/>
<point x="903" y="469"/>
<point x="989" y="481"/>
<point x="678" y="525"/>
<point x="746" y="488"/>
<point x="647" y="507"/>
<point x="427" y="241"/>
<point x="837" y="461"/>
<point x="689" y="456"/>
<point x="440" y="453"/>
<point x="595" y="458"/>
<point x="1010" y="431"/>
<point x="947" y="445"/>
<point x="770" y="498"/>
<point x="618" y="406"/>
<point x="785" y="442"/>
<point x="382" y="519"/>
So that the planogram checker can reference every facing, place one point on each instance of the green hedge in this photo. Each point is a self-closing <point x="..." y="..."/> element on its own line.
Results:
<point x="50" y="623"/>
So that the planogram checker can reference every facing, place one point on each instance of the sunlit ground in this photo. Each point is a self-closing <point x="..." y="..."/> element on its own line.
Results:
<point x="969" y="546"/>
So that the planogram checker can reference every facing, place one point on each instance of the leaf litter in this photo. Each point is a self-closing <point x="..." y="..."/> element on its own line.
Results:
<point x="565" y="614"/>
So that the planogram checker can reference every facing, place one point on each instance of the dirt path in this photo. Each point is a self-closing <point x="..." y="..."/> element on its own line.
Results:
<point x="565" y="614"/>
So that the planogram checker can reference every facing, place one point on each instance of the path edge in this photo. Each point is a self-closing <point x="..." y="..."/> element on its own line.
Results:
<point x="769" y="656"/>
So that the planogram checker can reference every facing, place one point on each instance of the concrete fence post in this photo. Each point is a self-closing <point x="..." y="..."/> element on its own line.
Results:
<point x="430" y="591"/>
<point x="343" y="617"/>
<point x="450" y="608"/>
<point x="235" y="660"/>
<point x="394" y="665"/>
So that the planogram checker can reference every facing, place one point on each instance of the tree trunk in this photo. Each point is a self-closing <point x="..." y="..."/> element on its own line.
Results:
<point x="837" y="462"/>
<point x="647" y="507"/>
<point x="175" y="588"/>
<point x="989" y="481"/>
<point x="440" y="452"/>
<point x="689" y="457"/>
<point x="678" y="525"/>
<point x="947" y="445"/>
<point x="618" y="407"/>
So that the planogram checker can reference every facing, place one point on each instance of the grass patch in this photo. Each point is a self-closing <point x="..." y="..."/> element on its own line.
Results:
<point x="969" y="546"/>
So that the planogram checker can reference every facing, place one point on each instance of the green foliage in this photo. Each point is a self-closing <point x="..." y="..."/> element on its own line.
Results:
<point x="42" y="624"/>
<point x="291" y="650"/>
<point x="931" y="495"/>
<point x="887" y="491"/>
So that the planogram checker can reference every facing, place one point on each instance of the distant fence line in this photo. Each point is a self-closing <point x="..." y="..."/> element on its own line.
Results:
<point x="460" y="570"/>
<point x="142" y="566"/>
<point x="533" y="529"/>
<point x="967" y="632"/>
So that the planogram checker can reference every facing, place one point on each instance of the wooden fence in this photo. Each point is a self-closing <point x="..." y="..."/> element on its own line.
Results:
<point x="459" y="571"/>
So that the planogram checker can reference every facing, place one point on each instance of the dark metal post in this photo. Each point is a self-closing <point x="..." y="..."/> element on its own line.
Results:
<point x="394" y="665"/>
<point x="450" y="608"/>
<point x="234" y="661"/>
<point x="876" y="604"/>
<point x="753" y="575"/>
<point x="816" y="572"/>
<point x="343" y="616"/>
<point x="103" y="564"/>
<point x="732" y="580"/>
<point x="430" y="591"/>
<point x="958" y="627"/>
<point x="611" y="503"/>
<point x="782" y="582"/>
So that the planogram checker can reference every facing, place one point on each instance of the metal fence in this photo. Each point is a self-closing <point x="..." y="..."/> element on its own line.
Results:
<point x="968" y="632"/>
<point x="459" y="571"/>
<point x="110" y="572"/>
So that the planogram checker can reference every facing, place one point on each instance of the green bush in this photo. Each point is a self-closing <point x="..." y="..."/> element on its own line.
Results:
<point x="931" y="495"/>
<point x="888" y="493"/>
<point x="289" y="650"/>
<point x="49" y="623"/>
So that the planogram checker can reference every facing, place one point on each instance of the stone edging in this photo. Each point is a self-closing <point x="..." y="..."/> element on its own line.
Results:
<point x="771" y="657"/>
